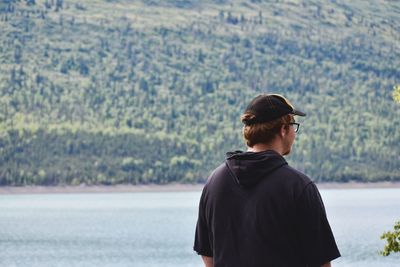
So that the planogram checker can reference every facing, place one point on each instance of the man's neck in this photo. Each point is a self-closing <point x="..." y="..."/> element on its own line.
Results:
<point x="263" y="147"/>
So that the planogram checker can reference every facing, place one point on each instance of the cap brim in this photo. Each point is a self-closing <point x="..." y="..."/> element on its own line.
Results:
<point x="298" y="113"/>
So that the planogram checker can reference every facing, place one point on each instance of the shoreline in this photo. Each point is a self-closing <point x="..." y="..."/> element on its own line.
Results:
<point x="9" y="190"/>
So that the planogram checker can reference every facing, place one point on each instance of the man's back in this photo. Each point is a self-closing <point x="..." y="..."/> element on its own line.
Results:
<point x="255" y="210"/>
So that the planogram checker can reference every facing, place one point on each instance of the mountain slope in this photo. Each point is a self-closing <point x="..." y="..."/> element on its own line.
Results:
<point x="152" y="91"/>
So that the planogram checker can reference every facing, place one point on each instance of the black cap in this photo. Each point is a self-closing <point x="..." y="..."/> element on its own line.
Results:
<point x="269" y="107"/>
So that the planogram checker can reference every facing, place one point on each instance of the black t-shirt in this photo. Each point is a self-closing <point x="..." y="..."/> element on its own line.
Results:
<point x="278" y="221"/>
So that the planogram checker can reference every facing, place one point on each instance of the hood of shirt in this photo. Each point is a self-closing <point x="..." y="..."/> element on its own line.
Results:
<point x="249" y="168"/>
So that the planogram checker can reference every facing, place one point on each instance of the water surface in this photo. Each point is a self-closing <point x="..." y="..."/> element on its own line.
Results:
<point x="156" y="229"/>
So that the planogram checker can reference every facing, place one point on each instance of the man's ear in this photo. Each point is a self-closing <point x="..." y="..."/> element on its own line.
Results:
<point x="283" y="131"/>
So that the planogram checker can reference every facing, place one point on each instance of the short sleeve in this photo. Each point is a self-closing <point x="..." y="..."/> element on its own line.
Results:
<point x="202" y="244"/>
<point x="316" y="238"/>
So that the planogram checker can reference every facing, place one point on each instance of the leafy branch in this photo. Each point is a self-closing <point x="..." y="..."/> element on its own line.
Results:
<point x="392" y="239"/>
<point x="396" y="93"/>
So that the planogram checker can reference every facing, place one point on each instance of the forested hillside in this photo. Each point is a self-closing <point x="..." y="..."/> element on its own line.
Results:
<point x="107" y="92"/>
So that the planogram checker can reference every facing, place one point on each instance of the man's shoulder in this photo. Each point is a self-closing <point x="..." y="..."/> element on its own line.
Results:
<point x="295" y="176"/>
<point x="217" y="172"/>
<point x="290" y="170"/>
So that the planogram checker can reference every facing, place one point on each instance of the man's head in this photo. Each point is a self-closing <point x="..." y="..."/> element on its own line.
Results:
<point x="270" y="118"/>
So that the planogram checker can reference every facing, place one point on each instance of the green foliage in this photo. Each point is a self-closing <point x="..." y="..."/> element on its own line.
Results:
<point x="392" y="240"/>
<point x="396" y="93"/>
<point x="152" y="92"/>
<point x="50" y="157"/>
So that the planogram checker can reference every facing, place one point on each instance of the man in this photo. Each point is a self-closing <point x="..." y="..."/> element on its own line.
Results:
<point x="257" y="211"/>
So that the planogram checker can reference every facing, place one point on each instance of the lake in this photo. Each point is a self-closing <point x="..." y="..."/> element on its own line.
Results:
<point x="156" y="229"/>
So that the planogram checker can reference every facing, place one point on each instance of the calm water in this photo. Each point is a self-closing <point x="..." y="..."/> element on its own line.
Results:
<point x="156" y="229"/>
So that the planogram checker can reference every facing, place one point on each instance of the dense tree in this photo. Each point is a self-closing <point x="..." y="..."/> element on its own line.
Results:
<point x="98" y="97"/>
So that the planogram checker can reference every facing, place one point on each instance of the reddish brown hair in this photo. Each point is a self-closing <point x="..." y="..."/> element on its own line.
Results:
<point x="263" y="132"/>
